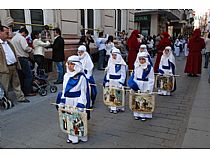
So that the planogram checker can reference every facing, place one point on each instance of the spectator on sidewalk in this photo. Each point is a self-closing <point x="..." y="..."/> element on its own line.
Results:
<point x="86" y="40"/>
<point x="100" y="43"/>
<point x="58" y="54"/>
<point x="109" y="45"/>
<point x="23" y="51"/>
<point x="45" y="34"/>
<point x="38" y="46"/>
<point x="207" y="53"/>
<point x="194" y="58"/>
<point x="9" y="66"/>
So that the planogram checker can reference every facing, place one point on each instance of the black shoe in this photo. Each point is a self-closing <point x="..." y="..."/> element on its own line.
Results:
<point x="100" y="69"/>
<point x="58" y="82"/>
<point x="194" y="75"/>
<point x="24" y="101"/>
<point x="190" y="75"/>
<point x="205" y="67"/>
<point x="30" y="94"/>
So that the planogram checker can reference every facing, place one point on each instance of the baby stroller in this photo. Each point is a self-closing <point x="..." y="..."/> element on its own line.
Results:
<point x="4" y="102"/>
<point x="40" y="83"/>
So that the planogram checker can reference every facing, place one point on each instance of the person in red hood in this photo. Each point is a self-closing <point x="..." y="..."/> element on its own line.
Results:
<point x="194" y="59"/>
<point x="164" y="42"/>
<point x="133" y="47"/>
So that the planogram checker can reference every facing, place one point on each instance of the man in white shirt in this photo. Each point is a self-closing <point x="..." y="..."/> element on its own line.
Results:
<point x="9" y="65"/>
<point x="100" y="43"/>
<point x="23" y="50"/>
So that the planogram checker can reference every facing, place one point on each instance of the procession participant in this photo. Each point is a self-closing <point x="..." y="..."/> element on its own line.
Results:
<point x="177" y="47"/>
<point x="167" y="66"/>
<point x="164" y="42"/>
<point x="142" y="79"/>
<point x="75" y="92"/>
<point x="88" y="66"/>
<point x="186" y="49"/>
<point x="194" y="58"/>
<point x="133" y="46"/>
<point x="143" y="48"/>
<point x="115" y="75"/>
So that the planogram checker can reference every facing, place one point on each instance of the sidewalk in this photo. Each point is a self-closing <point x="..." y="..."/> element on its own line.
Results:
<point x="198" y="130"/>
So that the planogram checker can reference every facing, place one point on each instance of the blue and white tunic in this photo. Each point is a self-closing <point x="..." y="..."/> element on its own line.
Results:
<point x="88" y="66"/>
<point x="142" y="79"/>
<point x="167" y="66"/>
<point x="115" y="72"/>
<point x="75" y="92"/>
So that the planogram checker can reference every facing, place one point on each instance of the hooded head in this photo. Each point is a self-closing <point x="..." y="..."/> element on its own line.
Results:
<point x="165" y="35"/>
<point x="142" y="60"/>
<point x="167" y="51"/>
<point x="74" y="65"/>
<point x="135" y="33"/>
<point x="197" y="33"/>
<point x="116" y="57"/>
<point x="168" y="55"/>
<point x="81" y="51"/>
<point x="143" y="48"/>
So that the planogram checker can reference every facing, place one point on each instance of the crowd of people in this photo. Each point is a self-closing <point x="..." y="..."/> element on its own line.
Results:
<point x="19" y="55"/>
<point x="79" y="87"/>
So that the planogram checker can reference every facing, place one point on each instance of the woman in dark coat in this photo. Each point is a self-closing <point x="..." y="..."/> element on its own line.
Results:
<point x="164" y="42"/>
<point x="194" y="59"/>
<point x="133" y="46"/>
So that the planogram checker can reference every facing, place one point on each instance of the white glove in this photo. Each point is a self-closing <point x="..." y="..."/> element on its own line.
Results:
<point x="80" y="109"/>
<point x="61" y="105"/>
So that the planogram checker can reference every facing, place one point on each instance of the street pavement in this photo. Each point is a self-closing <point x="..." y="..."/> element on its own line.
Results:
<point x="179" y="121"/>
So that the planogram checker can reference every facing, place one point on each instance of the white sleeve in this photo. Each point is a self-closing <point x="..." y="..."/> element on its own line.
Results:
<point x="151" y="77"/>
<point x="65" y="81"/>
<point x="82" y="99"/>
<point x="89" y="67"/>
<point x="98" y="41"/>
<point x="43" y="44"/>
<point x="160" y="64"/>
<point x="123" y="74"/>
<point x="24" y="45"/>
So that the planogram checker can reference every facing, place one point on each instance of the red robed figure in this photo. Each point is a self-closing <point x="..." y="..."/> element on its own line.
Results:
<point x="164" y="42"/>
<point x="194" y="59"/>
<point x="133" y="46"/>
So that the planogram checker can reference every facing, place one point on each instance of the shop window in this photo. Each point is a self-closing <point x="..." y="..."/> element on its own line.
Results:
<point x="82" y="13"/>
<point x="90" y="20"/>
<point x="18" y="16"/>
<point x="37" y="18"/>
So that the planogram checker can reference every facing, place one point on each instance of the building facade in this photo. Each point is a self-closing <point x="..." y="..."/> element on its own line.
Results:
<point x="154" y="21"/>
<point x="72" y="22"/>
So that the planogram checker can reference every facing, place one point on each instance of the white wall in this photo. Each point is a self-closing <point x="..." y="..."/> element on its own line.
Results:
<point x="69" y="21"/>
<point x="27" y="14"/>
<point x="3" y="15"/>
<point x="130" y="22"/>
<point x="48" y="15"/>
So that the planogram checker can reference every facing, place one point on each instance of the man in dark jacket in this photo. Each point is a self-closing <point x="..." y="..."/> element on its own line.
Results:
<point x="58" y="54"/>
